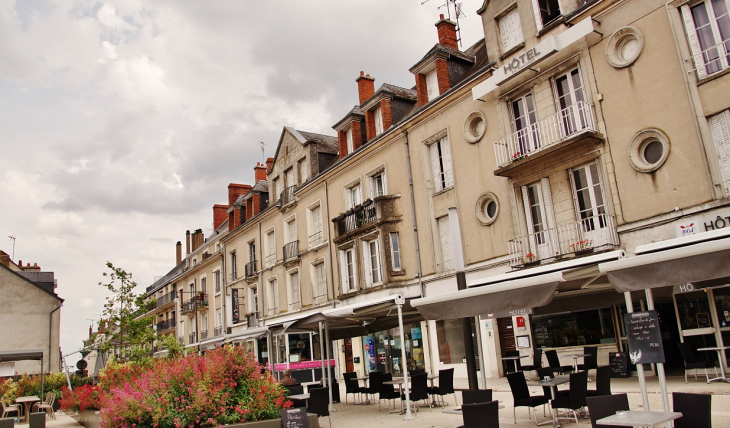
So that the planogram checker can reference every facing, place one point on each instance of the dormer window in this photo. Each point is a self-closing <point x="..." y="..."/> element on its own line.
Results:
<point x="432" y="84"/>
<point x="378" y="121"/>
<point x="350" y="147"/>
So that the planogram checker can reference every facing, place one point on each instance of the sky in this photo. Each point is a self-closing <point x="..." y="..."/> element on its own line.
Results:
<point x="122" y="122"/>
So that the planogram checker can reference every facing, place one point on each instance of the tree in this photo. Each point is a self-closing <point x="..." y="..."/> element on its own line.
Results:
<point x="127" y="329"/>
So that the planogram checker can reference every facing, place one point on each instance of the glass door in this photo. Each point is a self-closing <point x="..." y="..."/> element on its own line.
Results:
<point x="571" y="102"/>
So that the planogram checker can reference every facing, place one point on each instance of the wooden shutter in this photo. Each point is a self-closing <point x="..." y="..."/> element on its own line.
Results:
<point x="694" y="43"/>
<point x="317" y="219"/>
<point x="547" y="202"/>
<point x="528" y="220"/>
<point x="720" y="124"/>
<point x="538" y="16"/>
<point x="432" y="85"/>
<point x="447" y="250"/>
<point x="446" y="159"/>
<point x="436" y="167"/>
<point x="343" y="272"/>
<point x="367" y="266"/>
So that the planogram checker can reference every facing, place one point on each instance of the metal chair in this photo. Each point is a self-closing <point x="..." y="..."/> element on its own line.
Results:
<point x="351" y="385"/>
<point x="603" y="382"/>
<point x="481" y="415"/>
<point x="692" y="362"/>
<point x="695" y="409"/>
<point x="471" y="396"/>
<point x="576" y="397"/>
<point x="603" y="406"/>
<point x="419" y="390"/>
<point x="319" y="399"/>
<point x="446" y="386"/>
<point x="9" y="408"/>
<point x="521" y="394"/>
<point x="47" y="405"/>
<point x="536" y="361"/>
<point x="554" y="362"/>
<point x="387" y="392"/>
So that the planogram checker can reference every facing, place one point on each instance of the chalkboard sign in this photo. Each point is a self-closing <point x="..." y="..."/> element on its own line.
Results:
<point x="294" y="418"/>
<point x="644" y="336"/>
<point x="619" y="363"/>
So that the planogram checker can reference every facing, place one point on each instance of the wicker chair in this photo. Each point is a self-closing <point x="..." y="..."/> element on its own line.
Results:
<point x="603" y="406"/>
<point x="695" y="409"/>
<point x="481" y="415"/>
<point x="319" y="399"/>
<point x="471" y="396"/>
<point x="521" y="394"/>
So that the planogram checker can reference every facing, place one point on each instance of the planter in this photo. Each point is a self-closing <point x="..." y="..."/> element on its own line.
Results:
<point x="585" y="252"/>
<point x="92" y="419"/>
<point x="338" y="218"/>
<point x="530" y="264"/>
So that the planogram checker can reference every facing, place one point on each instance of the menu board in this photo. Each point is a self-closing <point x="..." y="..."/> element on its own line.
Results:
<point x="294" y="418"/>
<point x="619" y="363"/>
<point x="644" y="337"/>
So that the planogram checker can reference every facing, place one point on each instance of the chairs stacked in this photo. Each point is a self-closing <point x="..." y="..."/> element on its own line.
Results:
<point x="387" y="392"/>
<point x="554" y="362"/>
<point x="352" y="386"/>
<point x="419" y="389"/>
<point x="695" y="409"/>
<point x="481" y="415"/>
<point x="319" y="399"/>
<point x="590" y="362"/>
<point x="692" y="362"/>
<point x="606" y="405"/>
<point x="9" y="408"/>
<point x="603" y="382"/>
<point x="471" y="396"/>
<point x="536" y="361"/>
<point x="374" y="384"/>
<point x="576" y="397"/>
<point x="446" y="386"/>
<point x="521" y="394"/>
<point x="47" y="405"/>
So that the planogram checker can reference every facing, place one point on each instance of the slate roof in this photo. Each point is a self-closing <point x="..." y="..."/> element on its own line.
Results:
<point x="464" y="56"/>
<point x="356" y="110"/>
<point x="327" y="141"/>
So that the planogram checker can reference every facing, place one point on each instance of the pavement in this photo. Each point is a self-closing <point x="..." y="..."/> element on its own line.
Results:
<point x="350" y="415"/>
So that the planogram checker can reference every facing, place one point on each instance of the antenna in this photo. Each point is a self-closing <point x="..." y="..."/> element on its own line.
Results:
<point x="13" y="238"/>
<point x="263" y="156"/>
<point x="458" y="12"/>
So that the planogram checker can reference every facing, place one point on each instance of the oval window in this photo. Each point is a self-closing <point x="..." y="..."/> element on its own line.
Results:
<point x="648" y="150"/>
<point x="474" y="126"/>
<point x="487" y="208"/>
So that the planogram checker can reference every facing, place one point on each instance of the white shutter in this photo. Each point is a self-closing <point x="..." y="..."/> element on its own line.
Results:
<point x="721" y="132"/>
<point x="547" y="200"/>
<point x="436" y="167"/>
<point x="317" y="219"/>
<point x="538" y="16"/>
<point x="292" y="231"/>
<point x="378" y="121"/>
<point x="448" y="165"/>
<point x="275" y="285"/>
<point x="378" y="261"/>
<point x="446" y="244"/>
<point x="343" y="272"/>
<point x="694" y="43"/>
<point x="528" y="220"/>
<point x="432" y="85"/>
<point x="349" y="141"/>
<point x="366" y="263"/>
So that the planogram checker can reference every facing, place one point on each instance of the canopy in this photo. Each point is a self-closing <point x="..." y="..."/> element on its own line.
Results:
<point x="29" y="354"/>
<point x="250" y="334"/>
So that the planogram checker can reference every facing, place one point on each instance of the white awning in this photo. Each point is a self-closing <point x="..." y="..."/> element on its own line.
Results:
<point x="249" y="334"/>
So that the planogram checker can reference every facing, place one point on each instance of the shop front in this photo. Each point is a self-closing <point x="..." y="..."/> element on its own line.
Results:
<point x="382" y="350"/>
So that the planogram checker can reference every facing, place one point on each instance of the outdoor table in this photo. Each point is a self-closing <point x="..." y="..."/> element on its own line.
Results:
<point x="304" y="397"/>
<point x="364" y="378"/>
<point x="575" y="360"/>
<point x="27" y="402"/>
<point x="514" y="360"/>
<point x="457" y="411"/>
<point x="399" y="380"/>
<point x="639" y="419"/>
<point x="306" y="385"/>
<point x="719" y="350"/>
<point x="553" y="383"/>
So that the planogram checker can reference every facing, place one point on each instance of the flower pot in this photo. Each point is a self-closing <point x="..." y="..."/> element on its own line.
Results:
<point x="367" y="203"/>
<point x="90" y="418"/>
<point x="584" y="252"/>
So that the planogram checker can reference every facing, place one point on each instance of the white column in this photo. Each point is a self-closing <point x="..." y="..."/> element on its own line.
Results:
<point x="400" y="301"/>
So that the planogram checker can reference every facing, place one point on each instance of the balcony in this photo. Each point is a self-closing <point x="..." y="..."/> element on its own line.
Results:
<point x="165" y="325"/>
<point x="356" y="218"/>
<point x="166" y="299"/>
<point x="203" y="334"/>
<point x="315" y="239"/>
<point x="573" y="239"/>
<point x="218" y="331"/>
<point x="291" y="251"/>
<point x="193" y="337"/>
<point x="250" y="269"/>
<point x="252" y="320"/>
<point x="574" y="123"/>
<point x="287" y="195"/>
<point x="181" y="339"/>
<point x="270" y="259"/>
<point x="198" y="302"/>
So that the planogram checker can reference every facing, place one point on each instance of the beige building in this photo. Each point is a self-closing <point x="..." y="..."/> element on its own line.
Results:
<point x="31" y="315"/>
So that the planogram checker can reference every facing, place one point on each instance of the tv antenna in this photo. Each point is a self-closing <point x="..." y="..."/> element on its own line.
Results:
<point x="458" y="12"/>
<point x="13" y="238"/>
<point x="263" y="155"/>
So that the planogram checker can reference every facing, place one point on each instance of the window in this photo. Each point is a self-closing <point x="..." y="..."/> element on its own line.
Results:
<point x="217" y="278"/>
<point x="270" y="249"/>
<point x="395" y="250"/>
<point x="371" y="256"/>
<point x="377" y="185"/>
<point x="289" y="178"/>
<point x="319" y="284"/>
<point x="204" y="324"/>
<point x="192" y="288"/>
<point x="218" y="318"/>
<point x="443" y="174"/>
<point x="291" y="229"/>
<point x="708" y="31"/>
<point x="303" y="170"/>
<point x="203" y="283"/>
<point x="545" y="11"/>
<point x="378" y="114"/>
<point x="350" y="146"/>
<point x="432" y="85"/>
<point x="7" y="369"/>
<point x="450" y="339"/>
<point x="354" y="196"/>
<point x="447" y="245"/>
<point x="273" y="297"/>
<point x="538" y="206"/>
<point x="510" y="30"/>
<point x="487" y="208"/>
<point x="295" y="295"/>
<point x="720" y="125"/>
<point x="524" y="125"/>
<point x="589" y="202"/>
<point x="474" y="126"/>
<point x="315" y="225"/>
<point x="348" y="270"/>
<point x="234" y="275"/>
<point x="254" y="299"/>
<point x="648" y="150"/>
<point x="591" y="327"/>
<point x="571" y="102"/>
<point x="274" y="186"/>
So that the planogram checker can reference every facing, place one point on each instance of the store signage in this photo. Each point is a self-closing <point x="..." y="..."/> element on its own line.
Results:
<point x="520" y="322"/>
<point x="697" y="225"/>
<point x="512" y="312"/>
<point x="619" y="363"/>
<point x="302" y="365"/>
<point x="524" y="60"/>
<point x="644" y="337"/>
<point x="294" y="418"/>
<point x="684" y="288"/>
<point x="235" y="309"/>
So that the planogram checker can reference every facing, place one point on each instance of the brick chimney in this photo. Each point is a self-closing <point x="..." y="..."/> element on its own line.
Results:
<point x="236" y="190"/>
<point x="260" y="172"/>
<point x="219" y="215"/>
<point x="269" y="165"/>
<point x="447" y="33"/>
<point x="178" y="253"/>
<point x="187" y="242"/>
<point x="365" y="86"/>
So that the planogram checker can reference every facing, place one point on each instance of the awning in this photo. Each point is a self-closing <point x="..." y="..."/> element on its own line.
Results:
<point x="249" y="334"/>
<point x="29" y="354"/>
<point x="702" y="260"/>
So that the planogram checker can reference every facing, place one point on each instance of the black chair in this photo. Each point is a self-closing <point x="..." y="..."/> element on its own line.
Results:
<point x="37" y="420"/>
<point x="296" y="390"/>
<point x="7" y="422"/>
<point x="692" y="362"/>
<point x="603" y="406"/>
<point x="374" y="384"/>
<point x="416" y="372"/>
<point x="517" y="364"/>
<point x="576" y="397"/>
<point x="590" y="362"/>
<point x="695" y="409"/>
<point x="481" y="415"/>
<point x="446" y="386"/>
<point x="319" y="399"/>
<point x="419" y="390"/>
<point x="603" y="382"/>
<point x="352" y="386"/>
<point x="471" y="396"/>
<point x="521" y="394"/>
<point x="387" y="392"/>
<point x="554" y="362"/>
<point x="536" y="361"/>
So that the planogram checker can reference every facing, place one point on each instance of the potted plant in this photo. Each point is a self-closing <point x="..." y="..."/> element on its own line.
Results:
<point x="582" y="247"/>
<point x="530" y="259"/>
<point x="517" y="156"/>
<point x="367" y="202"/>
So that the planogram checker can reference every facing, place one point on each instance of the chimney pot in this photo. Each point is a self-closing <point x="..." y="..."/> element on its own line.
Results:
<point x="365" y="87"/>
<point x="447" y="33"/>
<point x="187" y="242"/>
<point x="178" y="253"/>
<point x="441" y="16"/>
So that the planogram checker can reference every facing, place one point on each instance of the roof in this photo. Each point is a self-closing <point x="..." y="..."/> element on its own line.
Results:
<point x="27" y="354"/>
<point x="177" y="270"/>
<point x="40" y="287"/>
<point x="356" y="111"/>
<point x="444" y="50"/>
<point x="324" y="140"/>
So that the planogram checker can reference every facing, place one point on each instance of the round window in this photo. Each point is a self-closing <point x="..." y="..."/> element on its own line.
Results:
<point x="474" y="126"/>
<point x="624" y="47"/>
<point x="487" y="208"/>
<point x="648" y="150"/>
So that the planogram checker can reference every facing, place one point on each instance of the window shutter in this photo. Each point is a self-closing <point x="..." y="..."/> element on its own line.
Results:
<point x="275" y="284"/>
<point x="446" y="158"/>
<point x="538" y="16"/>
<point x="436" y="167"/>
<point x="367" y="266"/>
<point x="377" y="258"/>
<point x="432" y="85"/>
<point x="547" y="201"/>
<point x="528" y="220"/>
<point x="694" y="43"/>
<point x="721" y="132"/>
<point x="317" y="219"/>
<point x="446" y="244"/>
<point x="343" y="271"/>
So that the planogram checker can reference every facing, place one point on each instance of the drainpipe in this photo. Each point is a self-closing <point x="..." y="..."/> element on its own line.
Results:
<point x="329" y="239"/>
<point x="50" y="336"/>
<point x="224" y="329"/>
<point x="262" y="295"/>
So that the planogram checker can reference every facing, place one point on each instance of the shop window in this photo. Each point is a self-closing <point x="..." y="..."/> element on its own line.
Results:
<point x="263" y="351"/>
<point x="694" y="310"/>
<point x="722" y="303"/>
<point x="300" y="348"/>
<point x="591" y="327"/>
<point x="450" y="337"/>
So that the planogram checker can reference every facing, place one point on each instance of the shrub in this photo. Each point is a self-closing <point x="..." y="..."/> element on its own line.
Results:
<point x="85" y="397"/>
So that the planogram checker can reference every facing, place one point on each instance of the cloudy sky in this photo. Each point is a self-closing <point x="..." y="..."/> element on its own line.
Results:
<point x="122" y="122"/>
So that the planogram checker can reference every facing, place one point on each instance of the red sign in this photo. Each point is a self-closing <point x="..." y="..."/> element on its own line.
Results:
<point x="520" y="322"/>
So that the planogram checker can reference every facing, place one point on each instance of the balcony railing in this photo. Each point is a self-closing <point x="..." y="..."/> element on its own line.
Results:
<point x="165" y="325"/>
<point x="250" y="269"/>
<point x="319" y="295"/>
<point x="198" y="301"/>
<point x="315" y="239"/>
<point x="291" y="250"/>
<point x="181" y="339"/>
<point x="355" y="218"/>
<point x="167" y="298"/>
<point x="234" y="274"/>
<point x="203" y="334"/>
<point x="218" y="331"/>
<point x="193" y="337"/>
<point x="287" y="195"/>
<point x="270" y="259"/>
<point x="545" y="133"/>
<point x="577" y="238"/>
<point x="253" y="320"/>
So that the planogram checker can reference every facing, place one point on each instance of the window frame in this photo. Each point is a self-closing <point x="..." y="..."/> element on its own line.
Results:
<point x="314" y="220"/>
<point x="395" y="254"/>
<point x="345" y="269"/>
<point x="270" y="247"/>
<point x="294" y="304"/>
<point x="503" y="15"/>
<point x="701" y="66"/>
<point x="368" y="258"/>
<point x="442" y="170"/>
<point x="318" y="284"/>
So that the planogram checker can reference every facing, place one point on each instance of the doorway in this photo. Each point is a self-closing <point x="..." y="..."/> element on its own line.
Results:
<point x="349" y="363"/>
<point x="506" y="341"/>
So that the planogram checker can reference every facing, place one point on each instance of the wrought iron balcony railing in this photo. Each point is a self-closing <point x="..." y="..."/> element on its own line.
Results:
<point x="195" y="303"/>
<point x="203" y="334"/>
<point x="165" y="325"/>
<point x="250" y="269"/>
<point x="291" y="250"/>
<point x="287" y="195"/>
<point x="356" y="218"/>
<point x="218" y="331"/>
<point x="192" y="337"/>
<point x="167" y="298"/>
<point x="253" y="320"/>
